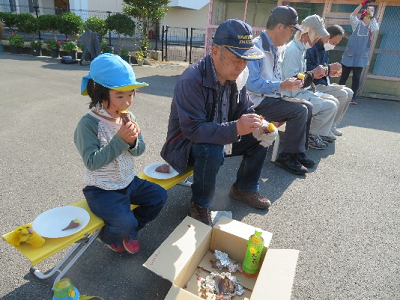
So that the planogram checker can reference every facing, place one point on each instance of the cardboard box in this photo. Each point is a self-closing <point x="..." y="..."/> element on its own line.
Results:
<point x="189" y="247"/>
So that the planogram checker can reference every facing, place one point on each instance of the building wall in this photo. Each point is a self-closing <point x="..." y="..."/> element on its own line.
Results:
<point x="177" y="17"/>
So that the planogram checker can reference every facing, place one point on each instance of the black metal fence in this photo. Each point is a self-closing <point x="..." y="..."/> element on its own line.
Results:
<point x="177" y="43"/>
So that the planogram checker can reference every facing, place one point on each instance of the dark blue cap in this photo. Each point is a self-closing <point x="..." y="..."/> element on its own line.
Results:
<point x="237" y="36"/>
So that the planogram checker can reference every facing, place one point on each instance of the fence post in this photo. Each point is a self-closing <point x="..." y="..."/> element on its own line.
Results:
<point x="162" y="43"/>
<point x="109" y="32"/>
<point x="186" y="44"/>
<point x="190" y="45"/>
<point x="36" y="7"/>
<point x="166" y="43"/>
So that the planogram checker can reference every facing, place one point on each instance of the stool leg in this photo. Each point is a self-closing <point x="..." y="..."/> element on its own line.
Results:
<point x="185" y="182"/>
<point x="275" y="149"/>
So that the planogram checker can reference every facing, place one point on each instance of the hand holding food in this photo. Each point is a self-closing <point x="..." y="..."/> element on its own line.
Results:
<point x="125" y="115"/>
<point x="248" y="123"/>
<point x="291" y="84"/>
<point x="266" y="134"/>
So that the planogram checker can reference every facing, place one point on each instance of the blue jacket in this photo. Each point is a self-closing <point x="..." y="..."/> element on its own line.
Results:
<point x="192" y="114"/>
<point x="316" y="56"/>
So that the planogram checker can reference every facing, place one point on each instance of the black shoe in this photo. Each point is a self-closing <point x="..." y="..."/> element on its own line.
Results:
<point x="304" y="160"/>
<point x="289" y="162"/>
<point x="201" y="214"/>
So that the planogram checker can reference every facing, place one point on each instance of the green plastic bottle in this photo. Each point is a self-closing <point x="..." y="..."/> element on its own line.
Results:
<point x="251" y="262"/>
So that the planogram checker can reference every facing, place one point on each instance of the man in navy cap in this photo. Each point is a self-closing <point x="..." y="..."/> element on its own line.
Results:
<point x="265" y="86"/>
<point x="212" y="117"/>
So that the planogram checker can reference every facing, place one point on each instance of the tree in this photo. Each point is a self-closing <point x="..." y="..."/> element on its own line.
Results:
<point x="9" y="19"/>
<point x="70" y="24"/>
<point x="147" y="13"/>
<point x="96" y="25"/>
<point x="48" y="23"/>
<point x="121" y="24"/>
<point x="27" y="23"/>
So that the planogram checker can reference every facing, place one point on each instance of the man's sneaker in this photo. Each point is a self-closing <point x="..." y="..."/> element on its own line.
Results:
<point x="289" y="162"/>
<point x="116" y="247"/>
<point x="353" y="102"/>
<point x="304" y="160"/>
<point x="252" y="198"/>
<point x="315" y="142"/>
<point x="201" y="214"/>
<point x="131" y="245"/>
<point x="336" y="131"/>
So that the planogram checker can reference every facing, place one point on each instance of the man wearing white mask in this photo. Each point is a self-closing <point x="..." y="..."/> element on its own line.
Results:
<point x="319" y="55"/>
<point x="294" y="62"/>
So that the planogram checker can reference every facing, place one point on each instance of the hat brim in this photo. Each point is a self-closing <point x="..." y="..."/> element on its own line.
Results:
<point x="124" y="88"/>
<point x="298" y="27"/>
<point x="247" y="54"/>
<point x="322" y="32"/>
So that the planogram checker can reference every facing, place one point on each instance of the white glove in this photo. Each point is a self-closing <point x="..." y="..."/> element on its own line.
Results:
<point x="266" y="139"/>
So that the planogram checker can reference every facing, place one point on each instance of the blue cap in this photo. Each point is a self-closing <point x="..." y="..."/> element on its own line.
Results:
<point x="112" y="72"/>
<point x="237" y="36"/>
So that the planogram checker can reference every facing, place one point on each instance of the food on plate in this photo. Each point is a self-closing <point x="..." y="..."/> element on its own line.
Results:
<point x="301" y="76"/>
<point x="125" y="116"/>
<point x="164" y="168"/>
<point x="73" y="224"/>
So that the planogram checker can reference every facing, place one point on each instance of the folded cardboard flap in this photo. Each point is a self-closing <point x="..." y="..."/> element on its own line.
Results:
<point x="276" y="276"/>
<point x="174" y="258"/>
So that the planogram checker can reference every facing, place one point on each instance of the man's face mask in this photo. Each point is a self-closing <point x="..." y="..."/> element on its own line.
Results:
<point x="328" y="46"/>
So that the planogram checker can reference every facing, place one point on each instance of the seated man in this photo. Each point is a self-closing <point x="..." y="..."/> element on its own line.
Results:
<point x="211" y="118"/>
<point x="294" y="62"/>
<point x="319" y="55"/>
<point x="265" y="87"/>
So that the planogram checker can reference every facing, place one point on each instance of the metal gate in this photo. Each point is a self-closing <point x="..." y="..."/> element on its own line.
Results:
<point x="177" y="45"/>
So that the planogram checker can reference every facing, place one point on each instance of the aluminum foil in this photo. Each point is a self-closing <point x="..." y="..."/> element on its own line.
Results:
<point x="224" y="261"/>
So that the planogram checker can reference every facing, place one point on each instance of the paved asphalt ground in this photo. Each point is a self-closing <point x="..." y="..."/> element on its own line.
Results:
<point x="343" y="216"/>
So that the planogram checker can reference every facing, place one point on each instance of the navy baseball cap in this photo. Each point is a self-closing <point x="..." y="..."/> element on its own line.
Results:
<point x="237" y="36"/>
<point x="286" y="15"/>
<point x="112" y="72"/>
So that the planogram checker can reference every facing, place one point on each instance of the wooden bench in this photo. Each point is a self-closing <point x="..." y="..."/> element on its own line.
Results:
<point x="82" y="239"/>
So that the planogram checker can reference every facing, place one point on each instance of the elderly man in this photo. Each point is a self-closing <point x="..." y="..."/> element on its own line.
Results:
<point x="319" y="55"/>
<point x="212" y="118"/>
<point x="265" y="87"/>
<point x="294" y="62"/>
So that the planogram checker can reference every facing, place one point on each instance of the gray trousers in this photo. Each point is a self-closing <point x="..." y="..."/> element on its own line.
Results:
<point x="297" y="117"/>
<point x="324" y="110"/>
<point x="343" y="95"/>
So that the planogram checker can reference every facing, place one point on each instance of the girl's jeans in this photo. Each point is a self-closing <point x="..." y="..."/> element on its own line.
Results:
<point x="113" y="206"/>
<point x="208" y="158"/>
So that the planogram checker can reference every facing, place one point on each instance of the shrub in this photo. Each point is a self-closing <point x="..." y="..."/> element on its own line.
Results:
<point x="16" y="40"/>
<point x="36" y="44"/>
<point x="124" y="52"/>
<point x="96" y="25"/>
<point x="52" y="45"/>
<point x="69" y="46"/>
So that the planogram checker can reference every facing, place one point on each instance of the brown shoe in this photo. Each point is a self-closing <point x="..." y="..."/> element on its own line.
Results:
<point x="252" y="198"/>
<point x="200" y="213"/>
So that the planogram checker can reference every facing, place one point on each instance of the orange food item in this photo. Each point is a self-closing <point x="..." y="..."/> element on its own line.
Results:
<point x="125" y="116"/>
<point x="301" y="76"/>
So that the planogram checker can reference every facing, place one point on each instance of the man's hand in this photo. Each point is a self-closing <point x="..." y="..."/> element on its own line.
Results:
<point x="291" y="84"/>
<point x="319" y="72"/>
<point x="248" y="123"/>
<point x="335" y="69"/>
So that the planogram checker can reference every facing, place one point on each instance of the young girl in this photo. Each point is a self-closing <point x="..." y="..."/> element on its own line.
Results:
<point x="107" y="146"/>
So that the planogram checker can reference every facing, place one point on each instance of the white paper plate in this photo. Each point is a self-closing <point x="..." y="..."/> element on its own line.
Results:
<point x="150" y="171"/>
<point x="51" y="223"/>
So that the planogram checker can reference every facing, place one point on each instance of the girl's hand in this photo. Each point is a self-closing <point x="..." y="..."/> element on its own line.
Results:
<point x="129" y="132"/>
